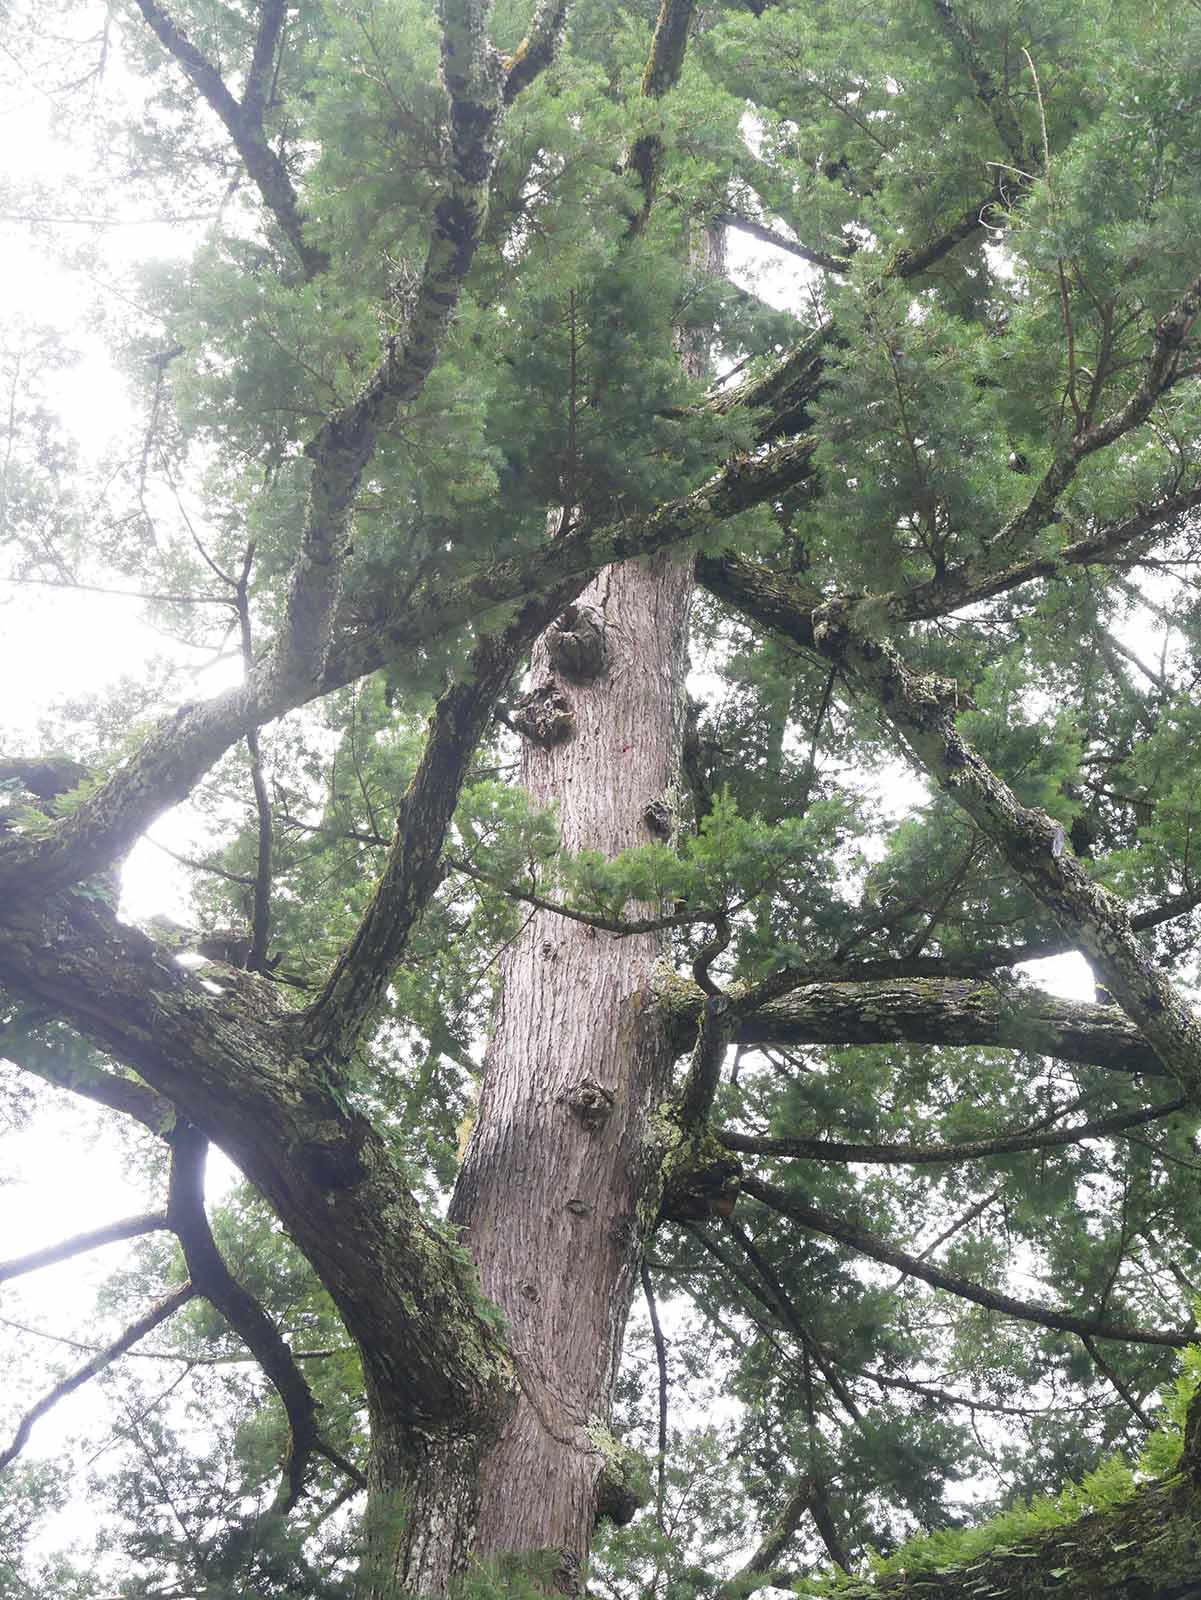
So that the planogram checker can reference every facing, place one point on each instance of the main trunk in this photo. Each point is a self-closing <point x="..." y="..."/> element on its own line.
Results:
<point x="557" y="1182"/>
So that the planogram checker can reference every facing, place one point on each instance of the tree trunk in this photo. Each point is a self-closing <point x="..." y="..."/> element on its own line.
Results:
<point x="559" y="1187"/>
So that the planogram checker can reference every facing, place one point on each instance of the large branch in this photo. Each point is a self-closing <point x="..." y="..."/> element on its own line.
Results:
<point x="856" y="1238"/>
<point x="918" y="1155"/>
<point x="947" y="1011"/>
<point x="922" y="709"/>
<point x="231" y="1063"/>
<point x="664" y="63"/>
<point x="103" y="1358"/>
<point x="414" y="868"/>
<point x="538" y="49"/>
<point x="181" y="749"/>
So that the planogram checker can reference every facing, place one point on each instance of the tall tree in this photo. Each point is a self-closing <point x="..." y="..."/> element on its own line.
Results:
<point x="458" y="423"/>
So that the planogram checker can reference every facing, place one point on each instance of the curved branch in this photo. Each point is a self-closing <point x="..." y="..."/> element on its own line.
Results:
<point x="212" y="1278"/>
<point x="103" y="1358"/>
<point x="857" y="1238"/>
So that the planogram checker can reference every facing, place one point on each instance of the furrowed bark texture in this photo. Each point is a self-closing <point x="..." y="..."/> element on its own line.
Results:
<point x="556" y="1192"/>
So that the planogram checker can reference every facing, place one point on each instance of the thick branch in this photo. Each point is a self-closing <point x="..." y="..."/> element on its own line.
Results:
<point x="231" y="1064"/>
<point x="414" y="869"/>
<point x="104" y="1358"/>
<point x="857" y="1238"/>
<point x="538" y="49"/>
<point x="663" y="67"/>
<point x="183" y="746"/>
<point x="928" y="1011"/>
<point x="128" y="1228"/>
<point x="921" y="710"/>
<point x="708" y="1054"/>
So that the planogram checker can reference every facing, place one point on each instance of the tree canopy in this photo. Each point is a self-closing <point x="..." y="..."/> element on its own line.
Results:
<point x="499" y="361"/>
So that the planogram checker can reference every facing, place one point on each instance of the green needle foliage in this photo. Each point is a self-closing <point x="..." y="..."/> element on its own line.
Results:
<point x="875" y="310"/>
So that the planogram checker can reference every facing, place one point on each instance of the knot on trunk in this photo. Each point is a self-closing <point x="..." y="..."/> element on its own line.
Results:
<point x="702" y="1180"/>
<point x="659" y="819"/>
<point x="575" y="643"/>
<point x="624" y="1485"/>
<point x="589" y="1102"/>
<point x="544" y="715"/>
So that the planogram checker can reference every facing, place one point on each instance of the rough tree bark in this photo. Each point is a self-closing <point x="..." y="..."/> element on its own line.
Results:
<point x="559" y="1188"/>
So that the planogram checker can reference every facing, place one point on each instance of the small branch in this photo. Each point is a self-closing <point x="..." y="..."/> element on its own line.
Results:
<point x="994" y="101"/>
<point x="778" y="241"/>
<point x="244" y="123"/>
<point x="129" y="1228"/>
<point x="620" y="927"/>
<point x="661" y="1361"/>
<point x="137" y="1100"/>
<point x="921" y="710"/>
<point x="849" y="1233"/>
<point x="773" y="1544"/>
<point x="256" y="960"/>
<point x="787" y="1313"/>
<point x="103" y="1358"/>
<point x="930" y="1154"/>
<point x="1115" y="1379"/>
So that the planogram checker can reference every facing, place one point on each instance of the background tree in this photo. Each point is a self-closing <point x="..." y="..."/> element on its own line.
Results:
<point x="458" y="434"/>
